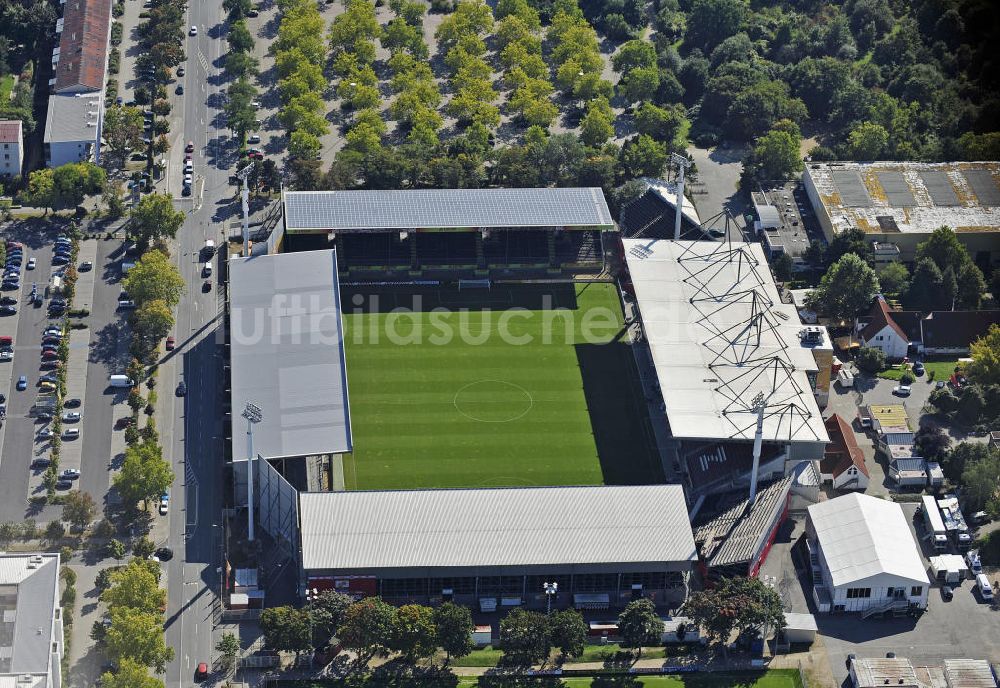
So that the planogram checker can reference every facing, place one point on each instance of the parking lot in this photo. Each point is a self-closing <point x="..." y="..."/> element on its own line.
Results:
<point x="799" y="225"/>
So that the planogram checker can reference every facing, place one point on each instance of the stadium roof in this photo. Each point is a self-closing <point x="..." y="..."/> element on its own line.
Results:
<point x="863" y="536"/>
<point x="581" y="208"/>
<point x="287" y="354"/>
<point x="881" y="197"/>
<point x="719" y="336"/>
<point x="495" y="527"/>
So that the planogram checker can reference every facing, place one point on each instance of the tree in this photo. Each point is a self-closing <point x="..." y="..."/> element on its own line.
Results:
<point x="153" y="219"/>
<point x="55" y="530"/>
<point x="637" y="84"/>
<point x="130" y="674"/>
<point x="980" y="480"/>
<point x="524" y="636"/>
<point x="240" y="40"/>
<point x="122" y="131"/>
<point x="867" y="141"/>
<point x="846" y="289"/>
<point x="229" y="647"/>
<point x="709" y="22"/>
<point x="894" y="278"/>
<point x="454" y="629"/>
<point x="634" y="54"/>
<point x="367" y="628"/>
<point x="735" y="604"/>
<point x="137" y="635"/>
<point x="667" y="124"/>
<point x="144" y="475"/>
<point x="286" y="629"/>
<point x="775" y="155"/>
<point x="985" y="353"/>
<point x="870" y="360"/>
<point x="143" y="548"/>
<point x="413" y="633"/>
<point x="971" y="286"/>
<point x="79" y="509"/>
<point x="328" y="609"/>
<point x="944" y="248"/>
<point x="639" y="625"/>
<point x="116" y="549"/>
<point x="75" y="181"/>
<point x="642" y="156"/>
<point x="783" y="267"/>
<point x="931" y="441"/>
<point x="152" y="322"/>
<point x="971" y="405"/>
<point x="568" y="632"/>
<point x="136" y="587"/>
<point x="237" y="9"/>
<point x="927" y="288"/>
<point x="41" y="191"/>
<point x="154" y="278"/>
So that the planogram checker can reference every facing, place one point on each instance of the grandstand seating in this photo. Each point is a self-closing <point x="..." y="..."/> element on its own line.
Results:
<point x="516" y="246"/>
<point x="445" y="248"/>
<point x="362" y="250"/>
<point x="578" y="248"/>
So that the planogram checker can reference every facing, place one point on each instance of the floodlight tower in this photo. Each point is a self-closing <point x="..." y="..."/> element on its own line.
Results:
<point x="254" y="415"/>
<point x="550" y="590"/>
<point x="245" y="202"/>
<point x="758" y="404"/>
<point x="682" y="165"/>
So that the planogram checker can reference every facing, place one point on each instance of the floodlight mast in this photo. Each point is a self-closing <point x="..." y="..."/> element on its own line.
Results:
<point x="758" y="404"/>
<point x="254" y="415"/>
<point x="245" y="202"/>
<point x="682" y="165"/>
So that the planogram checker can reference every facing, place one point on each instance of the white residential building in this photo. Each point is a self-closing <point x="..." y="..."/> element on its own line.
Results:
<point x="863" y="556"/>
<point x="11" y="148"/>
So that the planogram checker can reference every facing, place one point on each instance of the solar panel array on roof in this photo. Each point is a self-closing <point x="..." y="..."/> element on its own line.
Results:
<point x="897" y="191"/>
<point x="939" y="187"/>
<point x="447" y="208"/>
<point x="853" y="193"/>
<point x="984" y="184"/>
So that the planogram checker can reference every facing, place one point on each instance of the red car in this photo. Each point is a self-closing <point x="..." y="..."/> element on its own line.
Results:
<point x="201" y="672"/>
<point x="48" y="355"/>
<point x="171" y="342"/>
<point x="190" y="147"/>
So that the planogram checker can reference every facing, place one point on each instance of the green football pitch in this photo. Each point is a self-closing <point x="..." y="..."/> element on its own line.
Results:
<point x="508" y="386"/>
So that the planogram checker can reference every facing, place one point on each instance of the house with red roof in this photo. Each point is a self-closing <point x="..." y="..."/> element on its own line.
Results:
<point x="883" y="332"/>
<point x="843" y="462"/>
<point x="11" y="148"/>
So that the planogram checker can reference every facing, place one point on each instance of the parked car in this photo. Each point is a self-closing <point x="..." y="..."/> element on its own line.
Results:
<point x="171" y="343"/>
<point x="22" y="383"/>
<point x="201" y="672"/>
<point x="64" y="484"/>
<point x="31" y="263"/>
<point x="41" y="462"/>
<point x="181" y="389"/>
<point x="8" y="310"/>
<point x="70" y="474"/>
<point x="6" y="355"/>
<point x="50" y="355"/>
<point x="72" y="403"/>
<point x="163" y="554"/>
<point x="60" y="260"/>
<point x="71" y="417"/>
<point x="71" y="433"/>
<point x="901" y="390"/>
<point x="253" y="138"/>
<point x="180" y="71"/>
<point x="179" y="90"/>
<point x="86" y="265"/>
<point x="190" y="147"/>
<point x="164" y="503"/>
<point x="918" y="368"/>
<point x="194" y="31"/>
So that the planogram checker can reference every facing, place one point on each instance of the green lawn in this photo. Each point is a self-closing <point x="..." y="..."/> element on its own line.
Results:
<point x="489" y="657"/>
<point x="6" y="86"/>
<point x="934" y="370"/>
<point x="466" y="391"/>
<point x="774" y="678"/>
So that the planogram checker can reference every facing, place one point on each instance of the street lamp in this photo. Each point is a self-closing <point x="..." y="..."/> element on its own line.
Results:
<point x="550" y="590"/>
<point x="254" y="415"/>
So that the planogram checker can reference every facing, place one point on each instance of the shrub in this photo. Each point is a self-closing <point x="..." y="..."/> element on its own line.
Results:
<point x="117" y="30"/>
<point x="55" y="530"/>
<point x="907" y="378"/>
<point x="68" y="575"/>
<point x="870" y="359"/>
<point x="66" y="553"/>
<point x="114" y="61"/>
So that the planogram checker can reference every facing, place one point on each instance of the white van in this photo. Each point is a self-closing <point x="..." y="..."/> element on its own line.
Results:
<point x="985" y="589"/>
<point x="846" y="378"/>
<point x="121" y="381"/>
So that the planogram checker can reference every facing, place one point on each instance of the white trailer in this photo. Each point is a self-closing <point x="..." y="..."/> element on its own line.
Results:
<point x="936" y="532"/>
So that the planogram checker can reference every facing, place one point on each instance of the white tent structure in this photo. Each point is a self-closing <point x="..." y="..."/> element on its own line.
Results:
<point x="864" y="557"/>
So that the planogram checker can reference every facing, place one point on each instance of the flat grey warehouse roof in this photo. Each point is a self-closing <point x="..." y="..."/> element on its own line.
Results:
<point x="446" y="209"/>
<point x="287" y="354"/>
<point x="495" y="527"/>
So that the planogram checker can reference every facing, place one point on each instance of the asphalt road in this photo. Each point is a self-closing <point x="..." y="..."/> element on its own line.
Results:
<point x="108" y="356"/>
<point x="19" y="444"/>
<point x="191" y="430"/>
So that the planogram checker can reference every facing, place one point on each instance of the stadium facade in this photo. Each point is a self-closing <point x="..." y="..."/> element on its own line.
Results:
<point x="496" y="547"/>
